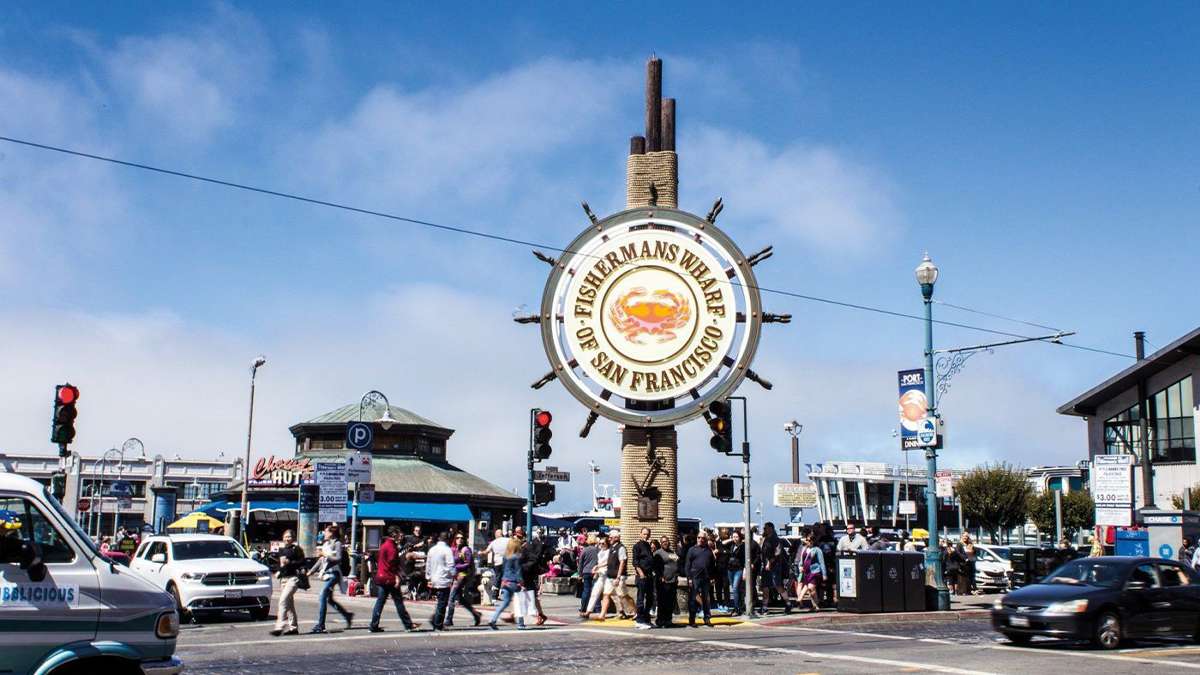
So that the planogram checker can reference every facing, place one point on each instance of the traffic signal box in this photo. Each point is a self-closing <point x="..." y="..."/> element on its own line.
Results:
<point x="62" y="425"/>
<point x="722" y="488"/>
<point x="720" y="422"/>
<point x="541" y="437"/>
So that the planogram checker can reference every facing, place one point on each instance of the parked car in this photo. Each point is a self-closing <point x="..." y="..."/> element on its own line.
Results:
<point x="992" y="567"/>
<point x="1104" y="600"/>
<point x="65" y="608"/>
<point x="206" y="574"/>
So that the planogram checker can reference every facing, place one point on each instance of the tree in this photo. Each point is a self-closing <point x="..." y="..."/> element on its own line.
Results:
<point x="995" y="496"/>
<point x="1078" y="511"/>
<point x="1193" y="498"/>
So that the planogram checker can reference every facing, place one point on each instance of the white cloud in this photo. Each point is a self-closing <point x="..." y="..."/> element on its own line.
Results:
<point x="184" y="87"/>
<point x="808" y="191"/>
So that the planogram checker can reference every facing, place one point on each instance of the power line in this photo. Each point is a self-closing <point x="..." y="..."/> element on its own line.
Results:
<point x="996" y="316"/>
<point x="497" y="237"/>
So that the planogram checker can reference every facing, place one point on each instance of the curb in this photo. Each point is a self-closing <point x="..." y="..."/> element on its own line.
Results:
<point x="891" y="617"/>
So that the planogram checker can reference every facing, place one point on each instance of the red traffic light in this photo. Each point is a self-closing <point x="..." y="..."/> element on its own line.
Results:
<point x="543" y="418"/>
<point x="67" y="394"/>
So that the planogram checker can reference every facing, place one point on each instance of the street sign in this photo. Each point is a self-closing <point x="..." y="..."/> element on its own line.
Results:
<point x="359" y="436"/>
<point x="796" y="495"/>
<point x="366" y="493"/>
<point x="331" y="481"/>
<point x="908" y="507"/>
<point x="84" y="504"/>
<point x="944" y="480"/>
<point x="120" y="488"/>
<point x="1112" y="489"/>
<point x="927" y="433"/>
<point x="358" y="467"/>
<point x="553" y="474"/>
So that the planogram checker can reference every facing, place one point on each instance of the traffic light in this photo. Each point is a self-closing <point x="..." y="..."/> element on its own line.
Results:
<point x="720" y="421"/>
<point x="542" y="435"/>
<point x="62" y="428"/>
<point x="543" y="493"/>
<point x="722" y="488"/>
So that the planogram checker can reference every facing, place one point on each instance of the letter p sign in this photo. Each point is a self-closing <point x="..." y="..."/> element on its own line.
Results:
<point x="359" y="436"/>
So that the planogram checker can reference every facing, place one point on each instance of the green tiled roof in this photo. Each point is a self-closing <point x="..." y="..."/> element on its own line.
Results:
<point x="349" y="413"/>
<point x="413" y="475"/>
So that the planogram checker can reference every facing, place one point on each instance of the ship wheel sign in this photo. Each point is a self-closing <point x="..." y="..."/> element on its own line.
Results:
<point x="650" y="315"/>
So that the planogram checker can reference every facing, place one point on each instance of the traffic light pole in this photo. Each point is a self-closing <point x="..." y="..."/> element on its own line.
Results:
<point x="529" y="464"/>
<point x="747" y="576"/>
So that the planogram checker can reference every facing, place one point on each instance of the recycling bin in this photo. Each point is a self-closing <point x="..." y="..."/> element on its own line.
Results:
<point x="913" y="569"/>
<point x="860" y="587"/>
<point x="891" y="578"/>
<point x="1133" y="542"/>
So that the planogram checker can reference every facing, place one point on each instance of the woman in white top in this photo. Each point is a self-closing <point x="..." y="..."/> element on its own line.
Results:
<point x="599" y="575"/>
<point x="331" y="576"/>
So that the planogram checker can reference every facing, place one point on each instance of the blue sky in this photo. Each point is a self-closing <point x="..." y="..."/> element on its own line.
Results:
<point x="1044" y="155"/>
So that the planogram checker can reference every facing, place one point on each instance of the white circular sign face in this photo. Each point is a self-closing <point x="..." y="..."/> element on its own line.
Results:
<point x="650" y="316"/>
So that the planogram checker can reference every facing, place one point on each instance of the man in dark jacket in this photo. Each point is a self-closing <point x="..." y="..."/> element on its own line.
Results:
<point x="699" y="568"/>
<point x="587" y="565"/>
<point x="774" y="563"/>
<point x="533" y="565"/>
<point x="737" y="568"/>
<point x="389" y="575"/>
<point x="643" y="567"/>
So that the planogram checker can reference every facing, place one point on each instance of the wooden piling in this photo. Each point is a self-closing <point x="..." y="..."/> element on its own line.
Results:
<point x="654" y="104"/>
<point x="668" y="124"/>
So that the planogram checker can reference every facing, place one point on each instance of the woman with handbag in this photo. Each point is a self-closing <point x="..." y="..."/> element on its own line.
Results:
<point x="810" y="573"/>
<point x="292" y="577"/>
<point x="510" y="582"/>
<point x="331" y="577"/>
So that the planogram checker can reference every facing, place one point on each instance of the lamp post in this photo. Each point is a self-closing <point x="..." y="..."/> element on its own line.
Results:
<point x="927" y="274"/>
<point x="244" y="517"/>
<point x="794" y="429"/>
<point x="113" y="455"/>
<point x="372" y="398"/>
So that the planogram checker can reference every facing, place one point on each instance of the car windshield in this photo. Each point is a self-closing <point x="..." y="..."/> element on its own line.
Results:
<point x="1087" y="572"/>
<point x="1001" y="553"/>
<point x="198" y="550"/>
<point x="84" y="538"/>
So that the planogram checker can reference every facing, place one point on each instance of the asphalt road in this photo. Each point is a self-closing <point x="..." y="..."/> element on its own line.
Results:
<point x="967" y="645"/>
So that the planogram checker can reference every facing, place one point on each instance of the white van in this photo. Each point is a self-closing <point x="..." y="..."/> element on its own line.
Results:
<point x="64" y="609"/>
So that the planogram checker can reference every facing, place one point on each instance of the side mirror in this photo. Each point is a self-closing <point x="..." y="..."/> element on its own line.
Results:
<point x="31" y="561"/>
<point x="160" y="558"/>
<point x="1135" y="586"/>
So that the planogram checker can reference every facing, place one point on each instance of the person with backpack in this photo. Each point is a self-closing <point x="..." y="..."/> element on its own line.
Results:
<point x="389" y="575"/>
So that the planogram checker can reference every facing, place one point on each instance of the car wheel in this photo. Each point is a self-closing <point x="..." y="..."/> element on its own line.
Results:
<point x="1107" y="633"/>
<point x="260" y="613"/>
<point x="1019" y="638"/>
<point x="184" y="615"/>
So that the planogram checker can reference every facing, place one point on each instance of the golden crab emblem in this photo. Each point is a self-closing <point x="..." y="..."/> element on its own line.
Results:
<point x="640" y="314"/>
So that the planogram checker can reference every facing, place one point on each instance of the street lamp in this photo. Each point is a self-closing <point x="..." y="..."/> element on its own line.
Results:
<point x="793" y="429"/>
<point x="258" y="362"/>
<point x="113" y="455"/>
<point x="927" y="274"/>
<point x="371" y="399"/>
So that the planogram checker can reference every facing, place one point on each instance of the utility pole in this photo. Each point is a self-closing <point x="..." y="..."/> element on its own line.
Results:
<point x="927" y="274"/>
<point x="1139" y="342"/>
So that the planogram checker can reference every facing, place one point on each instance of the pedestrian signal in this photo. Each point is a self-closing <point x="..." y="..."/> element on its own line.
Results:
<point x="722" y="488"/>
<point x="543" y="493"/>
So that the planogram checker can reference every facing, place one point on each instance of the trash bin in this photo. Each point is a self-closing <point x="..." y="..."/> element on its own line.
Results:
<point x="913" y="566"/>
<point x="891" y="577"/>
<point x="860" y="587"/>
<point x="1020" y="557"/>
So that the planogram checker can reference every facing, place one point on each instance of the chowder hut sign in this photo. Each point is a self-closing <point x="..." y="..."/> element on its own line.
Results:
<point x="278" y="472"/>
<point x="653" y="307"/>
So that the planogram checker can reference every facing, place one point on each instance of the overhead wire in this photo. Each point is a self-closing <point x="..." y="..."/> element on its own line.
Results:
<point x="512" y="240"/>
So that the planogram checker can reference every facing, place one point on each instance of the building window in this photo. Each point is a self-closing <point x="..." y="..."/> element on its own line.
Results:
<point x="1173" y="431"/>
<point x="1122" y="435"/>
<point x="198" y="490"/>
<point x="835" y="502"/>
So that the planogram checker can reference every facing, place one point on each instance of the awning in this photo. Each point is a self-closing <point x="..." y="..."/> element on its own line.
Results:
<point x="268" y="506"/>
<point x="457" y="513"/>
<point x="559" y="523"/>
<point x="419" y="511"/>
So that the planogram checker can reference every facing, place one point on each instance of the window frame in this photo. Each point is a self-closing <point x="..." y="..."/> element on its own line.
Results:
<point x="28" y="533"/>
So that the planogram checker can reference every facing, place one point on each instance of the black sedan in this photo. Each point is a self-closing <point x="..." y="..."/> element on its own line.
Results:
<point x="1104" y="600"/>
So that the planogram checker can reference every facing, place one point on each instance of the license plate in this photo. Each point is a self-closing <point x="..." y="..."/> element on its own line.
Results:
<point x="1020" y="621"/>
<point x="233" y="594"/>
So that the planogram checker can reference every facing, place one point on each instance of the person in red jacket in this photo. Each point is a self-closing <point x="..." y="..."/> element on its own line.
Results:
<point x="388" y="577"/>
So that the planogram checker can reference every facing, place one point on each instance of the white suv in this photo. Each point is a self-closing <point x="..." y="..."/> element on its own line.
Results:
<point x="206" y="573"/>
